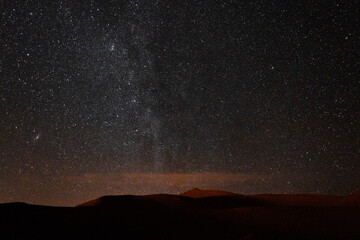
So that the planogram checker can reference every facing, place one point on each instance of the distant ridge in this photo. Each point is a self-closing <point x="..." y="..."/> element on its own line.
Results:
<point x="94" y="202"/>
<point x="110" y="201"/>
<point x="123" y="200"/>
<point x="198" y="193"/>
<point x="352" y="199"/>
<point x="195" y="214"/>
<point x="232" y="199"/>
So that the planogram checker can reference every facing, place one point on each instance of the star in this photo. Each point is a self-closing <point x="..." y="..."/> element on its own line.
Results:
<point x="37" y="137"/>
<point x="112" y="47"/>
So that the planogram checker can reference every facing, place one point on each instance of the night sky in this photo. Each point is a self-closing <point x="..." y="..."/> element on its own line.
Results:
<point x="137" y="97"/>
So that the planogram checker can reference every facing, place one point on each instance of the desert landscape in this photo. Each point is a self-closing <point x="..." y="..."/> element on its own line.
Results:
<point x="195" y="214"/>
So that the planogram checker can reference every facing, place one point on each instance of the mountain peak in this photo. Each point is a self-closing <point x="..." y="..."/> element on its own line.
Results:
<point x="199" y="193"/>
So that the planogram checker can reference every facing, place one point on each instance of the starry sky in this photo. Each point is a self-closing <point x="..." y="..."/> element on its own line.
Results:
<point x="138" y="97"/>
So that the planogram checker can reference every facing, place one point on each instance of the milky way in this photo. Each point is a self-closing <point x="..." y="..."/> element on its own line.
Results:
<point x="267" y="91"/>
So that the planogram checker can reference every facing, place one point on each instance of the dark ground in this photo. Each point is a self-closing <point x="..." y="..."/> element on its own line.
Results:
<point x="193" y="215"/>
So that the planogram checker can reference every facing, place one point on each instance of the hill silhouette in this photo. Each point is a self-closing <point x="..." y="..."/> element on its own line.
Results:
<point x="195" y="214"/>
<point x="198" y="193"/>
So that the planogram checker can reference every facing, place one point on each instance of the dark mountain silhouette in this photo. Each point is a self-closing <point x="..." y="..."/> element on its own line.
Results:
<point x="198" y="193"/>
<point x="196" y="214"/>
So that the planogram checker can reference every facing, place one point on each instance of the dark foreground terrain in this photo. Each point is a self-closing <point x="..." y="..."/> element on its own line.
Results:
<point x="196" y="214"/>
